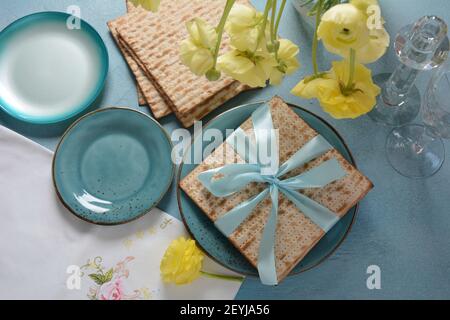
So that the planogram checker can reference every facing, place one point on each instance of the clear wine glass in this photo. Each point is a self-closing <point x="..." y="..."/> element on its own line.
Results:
<point x="417" y="151"/>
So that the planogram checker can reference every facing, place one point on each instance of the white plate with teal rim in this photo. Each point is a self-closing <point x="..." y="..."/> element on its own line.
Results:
<point x="113" y="165"/>
<point x="213" y="242"/>
<point x="48" y="71"/>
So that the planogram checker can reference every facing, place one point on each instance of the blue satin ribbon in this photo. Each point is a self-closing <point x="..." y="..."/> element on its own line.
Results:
<point x="229" y="179"/>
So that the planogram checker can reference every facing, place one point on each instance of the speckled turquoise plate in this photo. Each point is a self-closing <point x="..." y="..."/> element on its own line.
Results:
<point x="215" y="244"/>
<point x="112" y="166"/>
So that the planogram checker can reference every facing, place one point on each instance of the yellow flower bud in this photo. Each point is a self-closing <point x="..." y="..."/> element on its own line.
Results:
<point x="213" y="75"/>
<point x="182" y="262"/>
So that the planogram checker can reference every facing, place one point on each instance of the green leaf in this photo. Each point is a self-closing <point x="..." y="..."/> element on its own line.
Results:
<point x="98" y="278"/>
<point x="108" y="275"/>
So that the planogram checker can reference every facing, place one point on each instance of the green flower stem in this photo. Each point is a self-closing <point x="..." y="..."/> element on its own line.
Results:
<point x="262" y="29"/>
<point x="221" y="276"/>
<point x="272" y="21"/>
<point x="280" y="13"/>
<point x="221" y="27"/>
<point x="273" y="35"/>
<point x="315" y="40"/>
<point x="352" y="65"/>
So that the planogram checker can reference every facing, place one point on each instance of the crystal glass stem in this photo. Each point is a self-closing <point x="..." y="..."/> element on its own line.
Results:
<point x="399" y="85"/>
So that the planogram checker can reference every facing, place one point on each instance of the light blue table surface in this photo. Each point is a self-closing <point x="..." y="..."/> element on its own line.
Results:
<point x="403" y="225"/>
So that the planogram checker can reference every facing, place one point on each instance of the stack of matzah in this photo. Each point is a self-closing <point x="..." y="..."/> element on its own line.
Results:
<point x="150" y="44"/>
<point x="296" y="234"/>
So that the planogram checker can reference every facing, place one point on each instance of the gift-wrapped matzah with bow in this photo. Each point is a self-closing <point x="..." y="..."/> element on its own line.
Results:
<point x="275" y="215"/>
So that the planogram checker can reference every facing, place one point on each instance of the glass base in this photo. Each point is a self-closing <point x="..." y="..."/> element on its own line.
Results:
<point x="395" y="115"/>
<point x="413" y="152"/>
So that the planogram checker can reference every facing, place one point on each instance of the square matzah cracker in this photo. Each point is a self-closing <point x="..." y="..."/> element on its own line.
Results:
<point x="202" y="109"/>
<point x="146" y="90"/>
<point x="155" y="40"/>
<point x="296" y="234"/>
<point x="188" y="119"/>
<point x="141" y="98"/>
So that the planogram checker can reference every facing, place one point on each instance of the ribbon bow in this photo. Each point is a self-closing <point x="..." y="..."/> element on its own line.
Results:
<point x="229" y="179"/>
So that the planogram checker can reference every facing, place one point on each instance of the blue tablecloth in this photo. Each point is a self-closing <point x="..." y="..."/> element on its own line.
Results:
<point x="403" y="225"/>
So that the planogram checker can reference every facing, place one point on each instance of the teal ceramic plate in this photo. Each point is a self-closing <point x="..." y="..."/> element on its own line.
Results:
<point x="113" y="165"/>
<point x="50" y="70"/>
<point x="215" y="244"/>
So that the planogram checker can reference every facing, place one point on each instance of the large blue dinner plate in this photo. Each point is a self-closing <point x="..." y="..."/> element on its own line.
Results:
<point x="52" y="67"/>
<point x="209" y="237"/>
<point x="113" y="165"/>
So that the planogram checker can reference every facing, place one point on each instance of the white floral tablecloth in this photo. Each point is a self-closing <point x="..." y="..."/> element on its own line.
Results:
<point x="48" y="253"/>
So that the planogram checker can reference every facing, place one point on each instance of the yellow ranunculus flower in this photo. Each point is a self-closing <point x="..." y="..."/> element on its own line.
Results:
<point x="242" y="26"/>
<point x="341" y="106"/>
<point x="151" y="5"/>
<point x="360" y="101"/>
<point x="343" y="27"/>
<point x="328" y="90"/>
<point x="250" y="69"/>
<point x="196" y="52"/>
<point x="287" y="61"/>
<point x="182" y="262"/>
